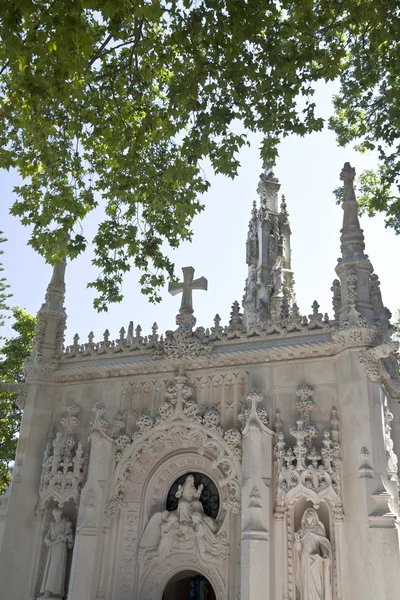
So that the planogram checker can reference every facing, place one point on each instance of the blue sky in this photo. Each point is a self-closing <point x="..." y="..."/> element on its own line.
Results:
<point x="308" y="169"/>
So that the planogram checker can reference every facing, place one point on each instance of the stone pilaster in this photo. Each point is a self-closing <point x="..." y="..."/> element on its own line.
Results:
<point x="369" y="553"/>
<point x="90" y="533"/>
<point x="257" y="519"/>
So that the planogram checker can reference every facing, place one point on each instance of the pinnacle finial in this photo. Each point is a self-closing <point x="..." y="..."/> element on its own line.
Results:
<point x="268" y="187"/>
<point x="348" y="173"/>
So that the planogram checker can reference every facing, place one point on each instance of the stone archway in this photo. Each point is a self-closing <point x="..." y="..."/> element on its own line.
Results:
<point x="178" y="440"/>
<point x="189" y="585"/>
<point x="165" y="571"/>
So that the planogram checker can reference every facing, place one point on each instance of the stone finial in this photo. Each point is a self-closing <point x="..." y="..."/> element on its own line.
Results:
<point x="348" y="173"/>
<point x="268" y="187"/>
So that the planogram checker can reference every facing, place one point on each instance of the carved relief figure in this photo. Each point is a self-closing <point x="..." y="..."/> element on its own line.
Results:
<point x="187" y="528"/>
<point x="313" y="559"/>
<point x="276" y="276"/>
<point x="58" y="539"/>
<point x="251" y="285"/>
<point x="189" y="502"/>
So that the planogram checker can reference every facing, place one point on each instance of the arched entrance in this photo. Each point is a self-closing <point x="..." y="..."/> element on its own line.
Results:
<point x="189" y="585"/>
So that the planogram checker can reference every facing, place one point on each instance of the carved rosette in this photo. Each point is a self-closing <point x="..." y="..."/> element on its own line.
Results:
<point x="308" y="469"/>
<point x="64" y="464"/>
<point x="180" y="423"/>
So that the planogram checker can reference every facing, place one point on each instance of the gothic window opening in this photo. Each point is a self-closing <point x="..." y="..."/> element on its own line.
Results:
<point x="189" y="585"/>
<point x="209" y="496"/>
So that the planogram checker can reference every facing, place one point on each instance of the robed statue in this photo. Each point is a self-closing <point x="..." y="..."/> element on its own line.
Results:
<point x="313" y="559"/>
<point x="58" y="539"/>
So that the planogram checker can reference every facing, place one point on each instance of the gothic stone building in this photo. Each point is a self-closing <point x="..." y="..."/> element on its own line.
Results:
<point x="250" y="461"/>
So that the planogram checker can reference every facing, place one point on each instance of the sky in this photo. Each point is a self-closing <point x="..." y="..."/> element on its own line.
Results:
<point x="308" y="169"/>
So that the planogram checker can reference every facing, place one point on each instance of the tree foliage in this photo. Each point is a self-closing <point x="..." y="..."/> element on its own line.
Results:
<point x="13" y="354"/>
<point x="4" y="295"/>
<point x="117" y="102"/>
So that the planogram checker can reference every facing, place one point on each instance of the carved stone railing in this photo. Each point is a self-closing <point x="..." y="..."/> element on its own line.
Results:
<point x="187" y="342"/>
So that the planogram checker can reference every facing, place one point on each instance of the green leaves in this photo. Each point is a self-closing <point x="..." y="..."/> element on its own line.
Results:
<point x="13" y="354"/>
<point x="4" y="295"/>
<point x="115" y="104"/>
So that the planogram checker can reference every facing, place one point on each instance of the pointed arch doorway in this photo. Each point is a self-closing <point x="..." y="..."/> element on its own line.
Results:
<point x="188" y="585"/>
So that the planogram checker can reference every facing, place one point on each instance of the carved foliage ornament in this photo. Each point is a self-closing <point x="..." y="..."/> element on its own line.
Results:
<point x="180" y="423"/>
<point x="304" y="470"/>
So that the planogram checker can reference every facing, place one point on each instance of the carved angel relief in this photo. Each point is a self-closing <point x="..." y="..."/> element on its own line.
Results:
<point x="304" y="470"/>
<point x="186" y="529"/>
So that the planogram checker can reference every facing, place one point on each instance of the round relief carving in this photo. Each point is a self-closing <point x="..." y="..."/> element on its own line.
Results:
<point x="209" y="497"/>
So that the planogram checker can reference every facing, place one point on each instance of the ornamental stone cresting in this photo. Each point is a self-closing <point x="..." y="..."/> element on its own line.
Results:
<point x="251" y="460"/>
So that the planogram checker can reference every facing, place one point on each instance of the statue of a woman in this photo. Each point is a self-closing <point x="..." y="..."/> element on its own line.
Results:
<point x="58" y="538"/>
<point x="313" y="559"/>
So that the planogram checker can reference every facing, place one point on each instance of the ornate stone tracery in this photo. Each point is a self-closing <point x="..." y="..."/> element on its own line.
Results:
<point x="64" y="464"/>
<point x="303" y="470"/>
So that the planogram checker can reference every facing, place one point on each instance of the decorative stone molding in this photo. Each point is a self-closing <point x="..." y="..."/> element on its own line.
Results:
<point x="64" y="464"/>
<point x="180" y="422"/>
<point x="371" y="358"/>
<point x="304" y="470"/>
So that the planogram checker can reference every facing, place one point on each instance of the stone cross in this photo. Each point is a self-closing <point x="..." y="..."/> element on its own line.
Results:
<point x="185" y="288"/>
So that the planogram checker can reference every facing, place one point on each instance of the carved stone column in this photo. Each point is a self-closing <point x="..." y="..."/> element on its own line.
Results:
<point x="257" y="519"/>
<point x="89" y="537"/>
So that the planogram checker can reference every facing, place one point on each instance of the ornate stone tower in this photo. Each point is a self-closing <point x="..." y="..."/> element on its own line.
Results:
<point x="268" y="253"/>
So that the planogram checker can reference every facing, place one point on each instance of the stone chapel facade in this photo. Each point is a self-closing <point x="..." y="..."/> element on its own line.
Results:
<point x="251" y="461"/>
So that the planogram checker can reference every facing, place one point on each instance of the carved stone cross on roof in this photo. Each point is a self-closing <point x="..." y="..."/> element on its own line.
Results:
<point x="185" y="288"/>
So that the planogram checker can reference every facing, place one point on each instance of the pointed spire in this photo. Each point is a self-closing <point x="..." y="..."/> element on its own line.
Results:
<point x="252" y="237"/>
<point x="353" y="268"/>
<point x="55" y="294"/>
<point x="268" y="188"/>
<point x="51" y="322"/>
<point x="268" y="251"/>
<point x="352" y="238"/>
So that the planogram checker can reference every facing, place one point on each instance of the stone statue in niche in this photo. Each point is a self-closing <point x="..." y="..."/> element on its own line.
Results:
<point x="276" y="276"/>
<point x="186" y="529"/>
<point x="251" y="285"/>
<point x="313" y="559"/>
<point x="58" y="539"/>
<point x="188" y="496"/>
